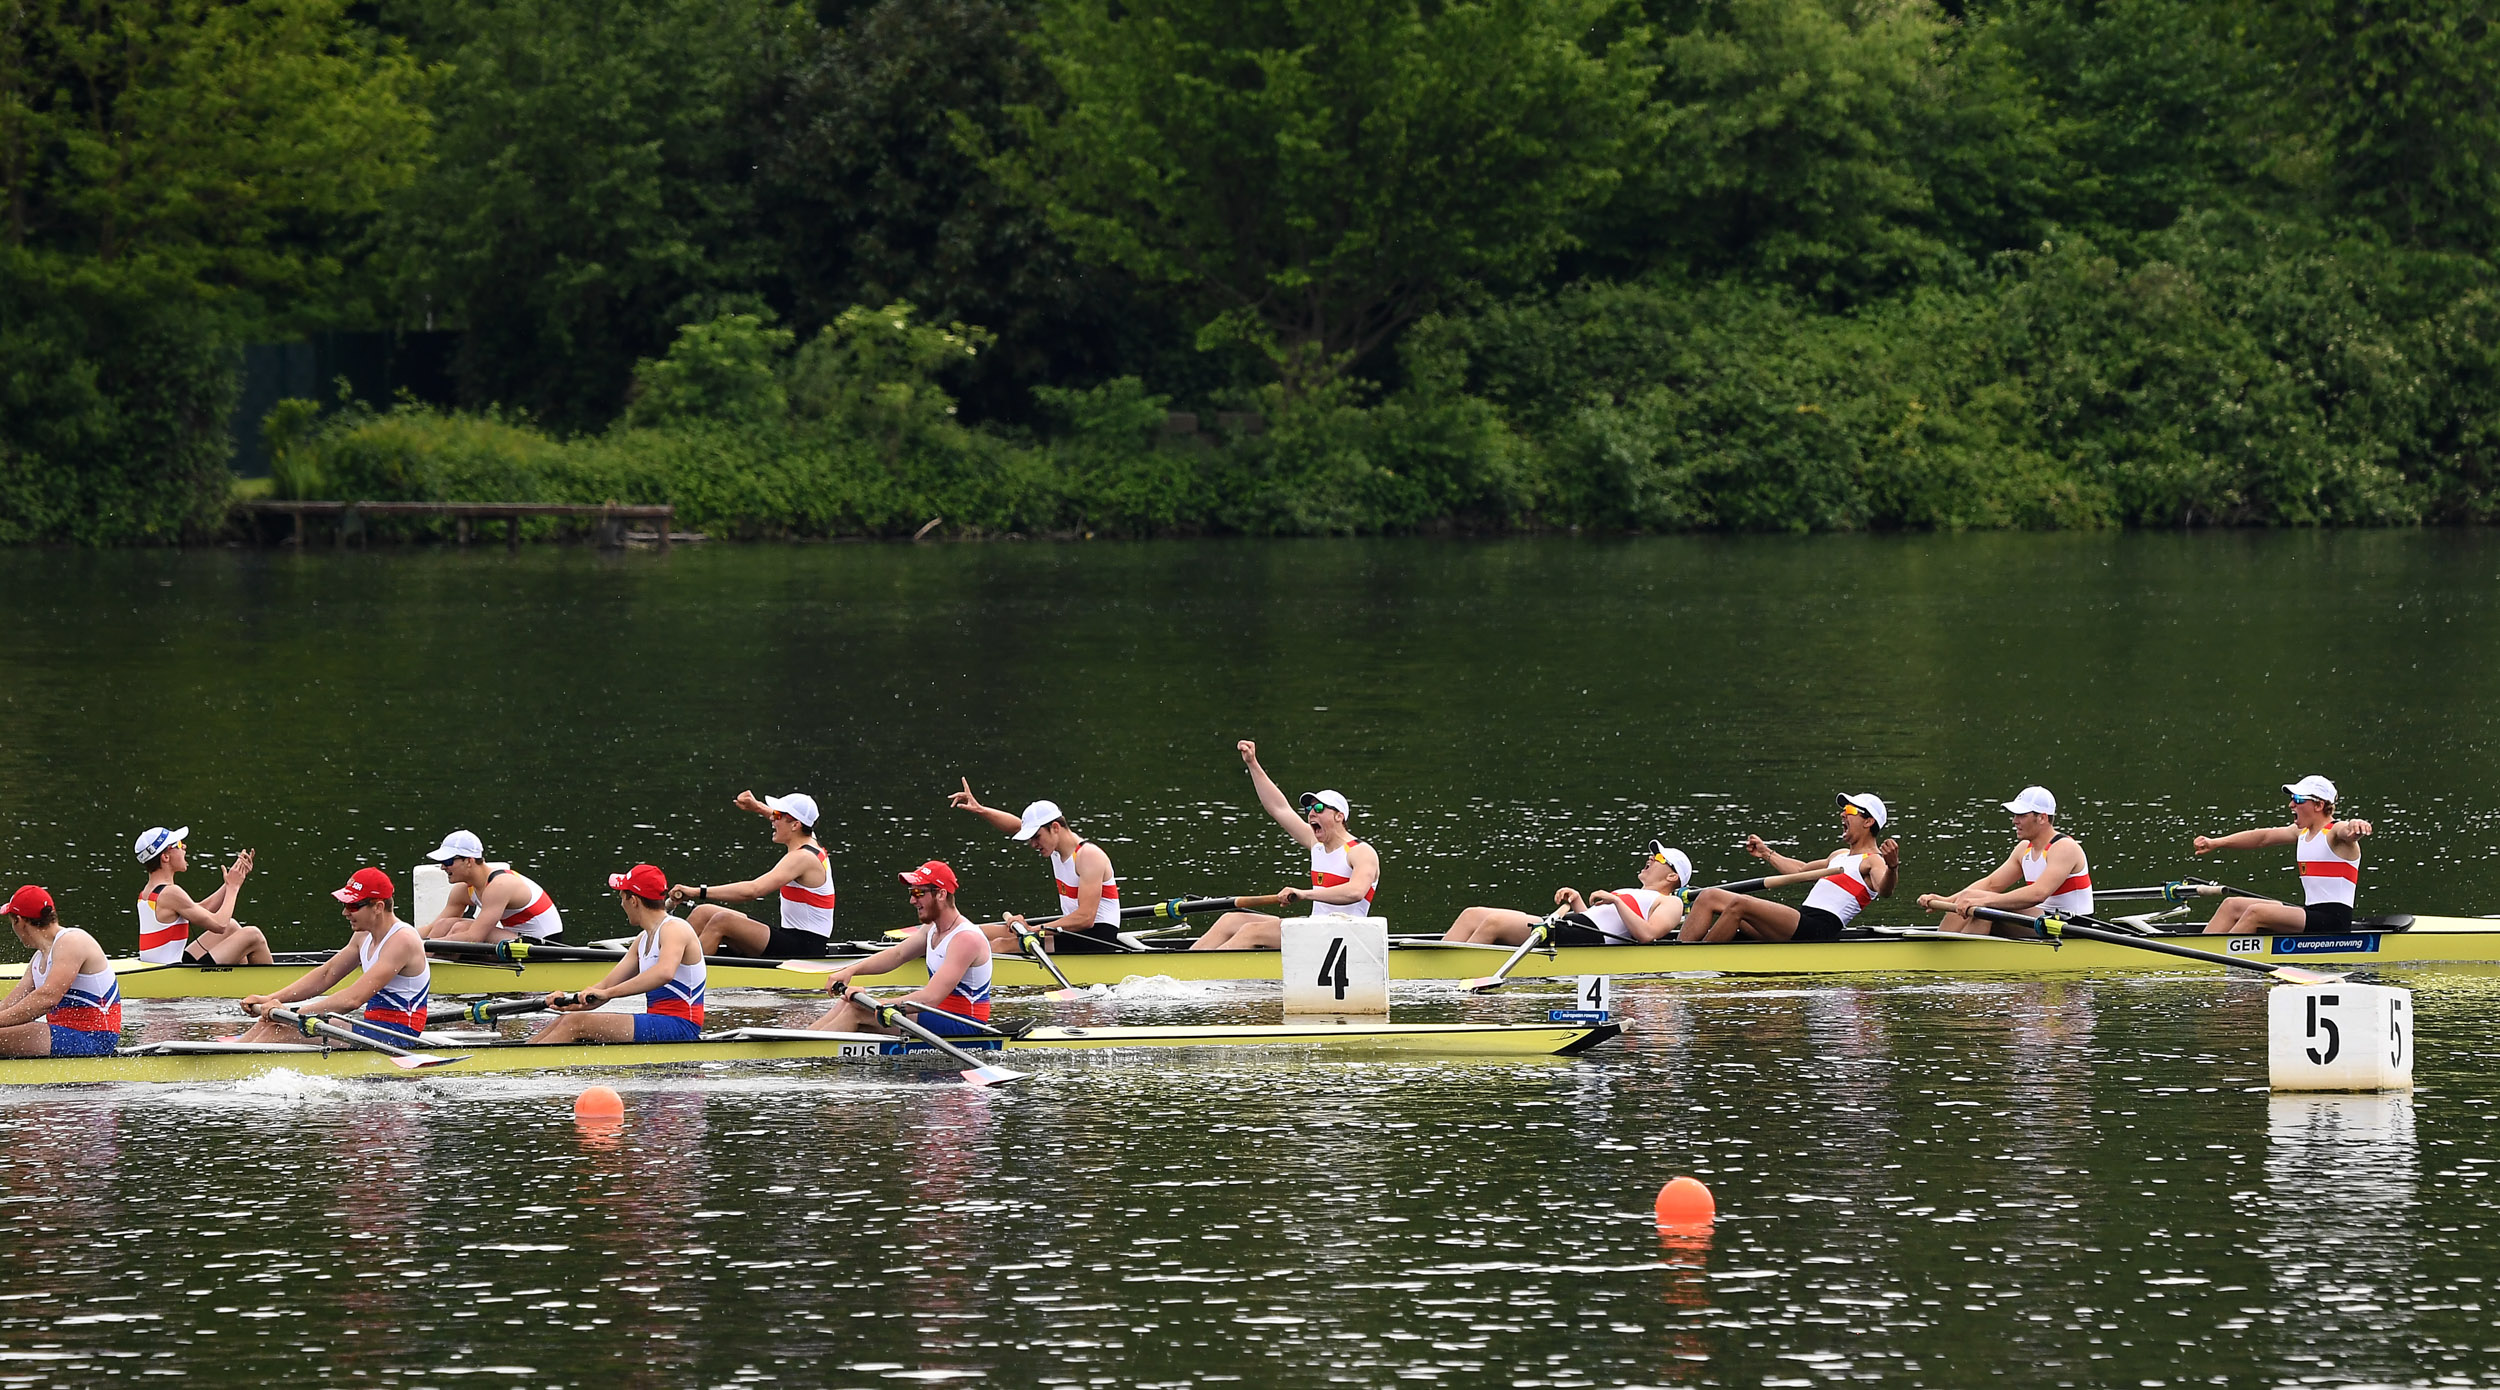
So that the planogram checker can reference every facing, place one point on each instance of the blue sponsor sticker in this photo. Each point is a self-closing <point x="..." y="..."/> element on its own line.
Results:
<point x="1575" y="1015"/>
<point x="2364" y="943"/>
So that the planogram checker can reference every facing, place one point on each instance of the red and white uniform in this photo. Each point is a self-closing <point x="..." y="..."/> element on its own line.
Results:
<point x="1610" y="922"/>
<point x="2072" y="896"/>
<point x="93" y="1003"/>
<point x="681" y="994"/>
<point x="810" y="909"/>
<point x="1334" y="868"/>
<point x="1844" y="894"/>
<point x="971" y="995"/>
<point x="537" y="918"/>
<point x="2325" y="876"/>
<point x="160" y="941"/>
<point x="402" y="1000"/>
<point x="1063" y="874"/>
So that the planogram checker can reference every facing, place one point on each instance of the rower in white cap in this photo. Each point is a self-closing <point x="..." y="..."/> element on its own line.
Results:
<point x="167" y="913"/>
<point x="1607" y="917"/>
<point x="505" y="904"/>
<point x="1345" y="872"/>
<point x="803" y="880"/>
<point x="1867" y="869"/>
<point x="2327" y="852"/>
<point x="1089" y="892"/>
<point x="2046" y="871"/>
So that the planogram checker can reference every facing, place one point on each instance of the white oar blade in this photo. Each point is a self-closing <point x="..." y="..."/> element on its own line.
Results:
<point x="993" y="1076"/>
<point x="1063" y="995"/>
<point x="810" y="967"/>
<point x="1483" y="984"/>
<point x="417" y="1061"/>
<point x="2294" y="975"/>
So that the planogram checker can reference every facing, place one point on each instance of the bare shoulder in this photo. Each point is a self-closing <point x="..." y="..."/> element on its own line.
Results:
<point x="1092" y="856"/>
<point x="80" y="949"/>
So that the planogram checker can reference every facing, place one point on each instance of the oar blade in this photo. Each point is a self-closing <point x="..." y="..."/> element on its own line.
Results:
<point x="1064" y="995"/>
<point x="2294" y="975"/>
<point x="1483" y="984"/>
<point x="419" y="1061"/>
<point x="811" y="967"/>
<point x="993" y="1076"/>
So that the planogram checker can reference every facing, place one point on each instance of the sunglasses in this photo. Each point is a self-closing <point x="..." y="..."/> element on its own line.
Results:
<point x="923" y="892"/>
<point x="2302" y="800"/>
<point x="1858" y="811"/>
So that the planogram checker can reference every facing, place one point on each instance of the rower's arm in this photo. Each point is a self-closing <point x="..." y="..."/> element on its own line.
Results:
<point x="2259" y="838"/>
<point x="455" y="910"/>
<point x="396" y="958"/>
<point x="320" y="977"/>
<point x="2348" y="832"/>
<point x="787" y="871"/>
<point x="1273" y="801"/>
<point x="677" y="943"/>
<point x="942" y="981"/>
<point x="2003" y="887"/>
<point x="1660" y="923"/>
<point x="28" y="1003"/>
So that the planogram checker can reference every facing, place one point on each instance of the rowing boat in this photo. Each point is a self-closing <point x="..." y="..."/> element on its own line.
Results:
<point x="216" y="1061"/>
<point x="2429" y="941"/>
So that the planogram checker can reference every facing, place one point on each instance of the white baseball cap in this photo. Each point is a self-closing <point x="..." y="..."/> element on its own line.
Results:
<point x="2033" y="800"/>
<point x="459" y="844"/>
<point x="1677" y="860"/>
<point x="1868" y="802"/>
<point x="153" y="843"/>
<point x="798" y="806"/>
<point x="2312" y="786"/>
<point x="1334" y="801"/>
<point x="1037" y="815"/>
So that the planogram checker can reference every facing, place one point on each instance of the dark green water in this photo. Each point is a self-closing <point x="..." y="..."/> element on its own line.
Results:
<point x="2064" y="1183"/>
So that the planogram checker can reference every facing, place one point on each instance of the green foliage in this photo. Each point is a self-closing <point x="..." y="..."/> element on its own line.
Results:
<point x="722" y="370"/>
<point x="113" y="399"/>
<point x="873" y="373"/>
<point x="1314" y="176"/>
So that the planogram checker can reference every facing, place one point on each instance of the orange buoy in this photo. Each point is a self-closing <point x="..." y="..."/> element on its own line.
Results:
<point x="603" y="1103"/>
<point x="1686" y="1202"/>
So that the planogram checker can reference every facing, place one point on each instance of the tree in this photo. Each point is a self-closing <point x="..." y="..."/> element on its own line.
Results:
<point x="1314" y="174"/>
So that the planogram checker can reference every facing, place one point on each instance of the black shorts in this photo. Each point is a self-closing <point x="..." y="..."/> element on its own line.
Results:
<point x="1101" y="938"/>
<point x="785" y="944"/>
<point x="2328" y="919"/>
<point x="1575" y="929"/>
<point x="1816" y="924"/>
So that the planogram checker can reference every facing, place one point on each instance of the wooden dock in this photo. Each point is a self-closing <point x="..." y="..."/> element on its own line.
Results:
<point x="351" y="516"/>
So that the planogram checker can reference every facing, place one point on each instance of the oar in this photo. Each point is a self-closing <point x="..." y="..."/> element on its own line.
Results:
<point x="2053" y="926"/>
<point x="1486" y="984"/>
<point x="1184" y="907"/>
<point x="522" y="951"/>
<point x="2177" y="890"/>
<point x="976" y="1071"/>
<point x="1755" y="885"/>
<point x="487" y="1010"/>
<point x="1031" y="941"/>
<point x="315" y="1026"/>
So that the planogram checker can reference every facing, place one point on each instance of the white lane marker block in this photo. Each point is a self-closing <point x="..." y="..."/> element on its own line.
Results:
<point x="1336" y="965"/>
<point x="2343" y="1037"/>
<point x="429" y="889"/>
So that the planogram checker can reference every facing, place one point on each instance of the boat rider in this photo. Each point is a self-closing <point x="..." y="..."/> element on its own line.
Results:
<point x="1089" y="892"/>
<point x="1345" y="872"/>
<point x="507" y="905"/>
<point x="1607" y="917"/>
<point x="2045" y="872"/>
<point x="68" y="1004"/>
<point x="1867" y="866"/>
<point x="393" y="981"/>
<point x="958" y="952"/>
<point x="664" y="966"/>
<point x="803" y="880"/>
<point x="167" y="913"/>
<point x="2327" y="852"/>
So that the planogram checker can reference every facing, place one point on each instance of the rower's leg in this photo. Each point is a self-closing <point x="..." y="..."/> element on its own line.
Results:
<point x="587" y="1028"/>
<point x="724" y="932"/>
<point x="1492" y="926"/>
<point x="27" y="1040"/>
<point x="2242" y="916"/>
<point x="1753" y="919"/>
<point x="242" y="946"/>
<point x="1704" y="912"/>
<point x="845" y="1017"/>
<point x="1968" y="926"/>
<point x="471" y="929"/>
<point x="1223" y="936"/>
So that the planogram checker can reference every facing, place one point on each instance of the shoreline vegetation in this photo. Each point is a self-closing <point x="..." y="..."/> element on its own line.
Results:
<point x="1675" y="265"/>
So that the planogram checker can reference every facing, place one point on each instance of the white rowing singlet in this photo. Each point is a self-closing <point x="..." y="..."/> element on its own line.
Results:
<point x="160" y="942"/>
<point x="681" y="994"/>
<point x="2325" y="876"/>
<point x="1844" y="894"/>
<point x="1106" y="907"/>
<point x="1609" y="921"/>
<point x="2072" y="896"/>
<point x="810" y="909"/>
<point x="1334" y="868"/>
<point x="971" y="995"/>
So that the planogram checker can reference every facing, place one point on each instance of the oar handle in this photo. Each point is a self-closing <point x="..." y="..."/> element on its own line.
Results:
<point x="315" y="1026"/>
<point x="1031" y="940"/>
<point x="1184" y="907"/>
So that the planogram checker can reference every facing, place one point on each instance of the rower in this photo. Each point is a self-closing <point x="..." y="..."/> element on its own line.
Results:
<point x="803" y="880"/>
<point x="505" y="904"/>
<point x="958" y="952"/>
<point x="2327" y="852"/>
<point x="2045" y="872"/>
<point x="393" y="982"/>
<point x="665" y="967"/>
<point x="1867" y="869"/>
<point x="1089" y="892"/>
<point x="1607" y="917"/>
<point x="1345" y="872"/>
<point x="167" y="913"/>
<point x="68" y="1003"/>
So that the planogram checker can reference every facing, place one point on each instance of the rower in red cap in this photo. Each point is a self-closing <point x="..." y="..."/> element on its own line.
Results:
<point x="959" y="964"/>
<point x="393" y="983"/>
<point x="665" y="967"/>
<point x="68" y="1003"/>
<point x="803" y="880"/>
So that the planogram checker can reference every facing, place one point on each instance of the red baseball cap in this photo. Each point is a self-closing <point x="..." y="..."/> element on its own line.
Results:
<point x="365" y="886"/>
<point x="29" y="902"/>
<point x="642" y="880"/>
<point x="933" y="874"/>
